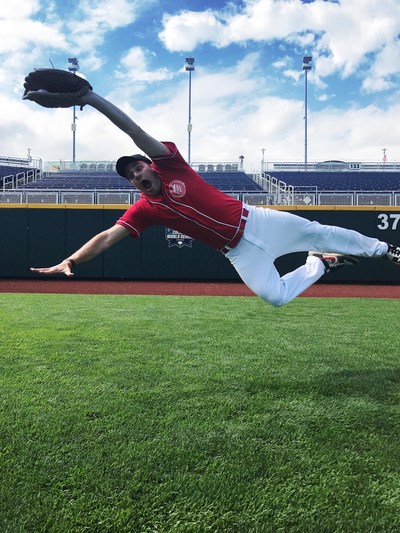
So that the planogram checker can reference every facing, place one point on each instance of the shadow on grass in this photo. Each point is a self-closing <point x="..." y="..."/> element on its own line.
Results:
<point x="381" y="384"/>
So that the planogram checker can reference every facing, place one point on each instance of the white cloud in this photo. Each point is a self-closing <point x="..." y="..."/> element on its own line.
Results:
<point x="25" y="34"/>
<point x="324" y="97"/>
<point x="35" y="28"/>
<point x="354" y="30"/>
<point x="18" y="9"/>
<point x="189" y="29"/>
<point x="377" y="84"/>
<point x="258" y="20"/>
<point x="380" y="77"/>
<point x="134" y="68"/>
<point x="283" y="62"/>
<point x="109" y="14"/>
<point x="95" y="19"/>
<point x="341" y="35"/>
<point x="293" y="74"/>
<point x="347" y="137"/>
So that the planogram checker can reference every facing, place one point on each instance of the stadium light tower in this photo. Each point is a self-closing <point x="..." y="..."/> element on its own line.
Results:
<point x="306" y="67"/>
<point x="73" y="66"/>
<point x="189" y="67"/>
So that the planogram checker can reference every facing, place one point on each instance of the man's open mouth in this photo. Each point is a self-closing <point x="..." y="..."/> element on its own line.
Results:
<point x="146" y="184"/>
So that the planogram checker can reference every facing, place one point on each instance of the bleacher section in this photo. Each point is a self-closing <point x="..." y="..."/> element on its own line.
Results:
<point x="12" y="176"/>
<point x="10" y="170"/>
<point x="339" y="181"/>
<point x="227" y="181"/>
<point x="231" y="181"/>
<point x="81" y="180"/>
<point x="279" y="183"/>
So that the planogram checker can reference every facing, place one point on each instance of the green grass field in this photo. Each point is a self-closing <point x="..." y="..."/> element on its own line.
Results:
<point x="195" y="414"/>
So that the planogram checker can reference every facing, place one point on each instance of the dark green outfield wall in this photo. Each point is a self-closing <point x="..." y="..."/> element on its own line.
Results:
<point x="43" y="236"/>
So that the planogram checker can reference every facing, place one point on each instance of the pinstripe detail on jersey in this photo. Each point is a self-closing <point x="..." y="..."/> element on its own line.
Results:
<point x="199" y="212"/>
<point x="186" y="217"/>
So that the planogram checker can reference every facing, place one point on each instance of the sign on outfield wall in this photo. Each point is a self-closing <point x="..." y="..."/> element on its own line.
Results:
<point x="176" y="238"/>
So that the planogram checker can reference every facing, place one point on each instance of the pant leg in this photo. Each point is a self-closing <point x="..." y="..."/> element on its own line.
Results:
<point x="256" y="268"/>
<point x="280" y="233"/>
<point x="350" y="242"/>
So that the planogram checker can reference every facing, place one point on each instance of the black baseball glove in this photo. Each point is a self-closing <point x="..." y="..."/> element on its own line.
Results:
<point x="50" y="87"/>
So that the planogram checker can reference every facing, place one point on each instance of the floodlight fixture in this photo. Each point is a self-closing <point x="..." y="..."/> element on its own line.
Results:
<point x="307" y="62"/>
<point x="73" y="64"/>
<point x="189" y="64"/>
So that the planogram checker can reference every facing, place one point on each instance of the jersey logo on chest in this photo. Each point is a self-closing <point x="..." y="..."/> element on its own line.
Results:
<point x="177" y="189"/>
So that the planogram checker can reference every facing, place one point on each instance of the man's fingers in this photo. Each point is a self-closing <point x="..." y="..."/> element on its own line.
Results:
<point x="53" y="270"/>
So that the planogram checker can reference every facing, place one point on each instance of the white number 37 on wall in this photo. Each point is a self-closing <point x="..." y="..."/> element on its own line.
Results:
<point x="388" y="221"/>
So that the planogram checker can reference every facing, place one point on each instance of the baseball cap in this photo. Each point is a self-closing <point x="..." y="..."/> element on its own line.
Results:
<point x="124" y="160"/>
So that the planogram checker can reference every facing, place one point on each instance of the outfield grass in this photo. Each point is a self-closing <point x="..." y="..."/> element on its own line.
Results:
<point x="194" y="414"/>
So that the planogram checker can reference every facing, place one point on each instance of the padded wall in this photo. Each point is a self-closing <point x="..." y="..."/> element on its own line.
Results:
<point x="42" y="236"/>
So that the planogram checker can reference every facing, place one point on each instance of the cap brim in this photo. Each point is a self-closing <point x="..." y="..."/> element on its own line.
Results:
<point x="126" y="159"/>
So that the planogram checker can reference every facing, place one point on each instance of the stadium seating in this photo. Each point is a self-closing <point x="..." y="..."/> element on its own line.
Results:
<point x="231" y="181"/>
<point x="340" y="181"/>
<point x="81" y="180"/>
<point x="8" y="170"/>
<point x="234" y="181"/>
<point x="227" y="181"/>
<point x="12" y="170"/>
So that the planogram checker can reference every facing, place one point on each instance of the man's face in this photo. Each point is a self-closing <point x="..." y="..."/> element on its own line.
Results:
<point x="144" y="178"/>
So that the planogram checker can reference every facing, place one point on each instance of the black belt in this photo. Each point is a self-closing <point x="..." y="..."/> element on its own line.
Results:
<point x="235" y="241"/>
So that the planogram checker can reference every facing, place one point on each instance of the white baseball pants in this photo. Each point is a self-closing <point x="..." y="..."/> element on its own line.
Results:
<point x="271" y="233"/>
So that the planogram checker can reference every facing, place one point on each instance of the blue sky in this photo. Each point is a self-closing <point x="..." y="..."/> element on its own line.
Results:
<point x="247" y="87"/>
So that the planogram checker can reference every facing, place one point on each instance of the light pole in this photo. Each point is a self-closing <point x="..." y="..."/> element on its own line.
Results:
<point x="263" y="160"/>
<point x="189" y="67"/>
<point x="73" y="66"/>
<point x="306" y="67"/>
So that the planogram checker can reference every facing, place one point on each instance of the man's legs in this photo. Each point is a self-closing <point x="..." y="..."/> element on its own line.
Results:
<point x="270" y="234"/>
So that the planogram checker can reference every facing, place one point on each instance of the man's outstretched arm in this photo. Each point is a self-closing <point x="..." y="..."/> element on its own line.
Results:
<point x="53" y="88"/>
<point x="95" y="246"/>
<point x="145" y="142"/>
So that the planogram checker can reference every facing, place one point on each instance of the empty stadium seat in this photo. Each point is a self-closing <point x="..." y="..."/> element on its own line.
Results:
<point x="231" y="181"/>
<point x="9" y="170"/>
<point x="81" y="180"/>
<point x="340" y="181"/>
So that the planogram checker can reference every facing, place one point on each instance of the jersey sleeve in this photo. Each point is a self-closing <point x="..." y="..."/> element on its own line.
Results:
<point x="172" y="159"/>
<point x="135" y="219"/>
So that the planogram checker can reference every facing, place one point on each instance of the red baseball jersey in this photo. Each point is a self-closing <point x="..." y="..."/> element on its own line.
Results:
<point x="187" y="204"/>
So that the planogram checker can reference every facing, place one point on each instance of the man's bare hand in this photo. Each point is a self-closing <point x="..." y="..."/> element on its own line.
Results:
<point x="62" y="268"/>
